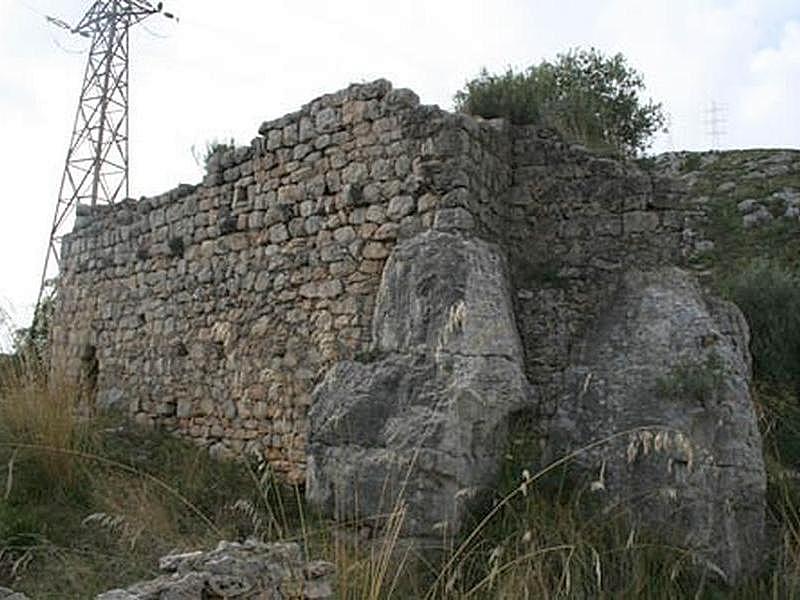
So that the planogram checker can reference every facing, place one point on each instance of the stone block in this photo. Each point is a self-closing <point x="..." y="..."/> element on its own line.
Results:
<point x="375" y="251"/>
<point x="278" y="234"/>
<point x="639" y="221"/>
<point x="376" y="214"/>
<point x="400" y="206"/>
<point x="448" y="219"/>
<point x="327" y="120"/>
<point x="344" y="234"/>
<point x="184" y="409"/>
<point x="313" y="224"/>
<point x="324" y="289"/>
<point x="355" y="173"/>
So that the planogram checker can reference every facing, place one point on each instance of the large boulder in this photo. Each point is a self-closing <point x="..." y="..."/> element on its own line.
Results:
<point x="422" y="426"/>
<point x="663" y="377"/>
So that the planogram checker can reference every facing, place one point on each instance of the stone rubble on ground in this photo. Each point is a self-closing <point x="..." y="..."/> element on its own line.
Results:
<point x="250" y="570"/>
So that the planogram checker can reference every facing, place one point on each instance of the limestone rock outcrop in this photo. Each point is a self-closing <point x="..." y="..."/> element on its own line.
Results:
<point x="423" y="424"/>
<point x="249" y="570"/>
<point x="663" y="375"/>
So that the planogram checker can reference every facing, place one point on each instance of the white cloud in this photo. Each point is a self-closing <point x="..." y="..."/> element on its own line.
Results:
<point x="770" y="103"/>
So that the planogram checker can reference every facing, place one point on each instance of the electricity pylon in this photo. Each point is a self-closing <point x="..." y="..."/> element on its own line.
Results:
<point x="715" y="122"/>
<point x="96" y="168"/>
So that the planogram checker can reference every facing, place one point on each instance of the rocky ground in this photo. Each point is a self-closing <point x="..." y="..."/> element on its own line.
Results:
<point x="250" y="569"/>
<point x="752" y="202"/>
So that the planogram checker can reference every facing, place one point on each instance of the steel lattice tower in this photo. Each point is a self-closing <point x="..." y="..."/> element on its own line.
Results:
<point x="96" y="169"/>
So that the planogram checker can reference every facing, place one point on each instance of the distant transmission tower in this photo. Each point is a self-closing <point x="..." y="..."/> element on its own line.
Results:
<point x="96" y="169"/>
<point x="716" y="119"/>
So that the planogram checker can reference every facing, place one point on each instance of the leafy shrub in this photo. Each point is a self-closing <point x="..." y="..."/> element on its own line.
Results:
<point x="32" y="342"/>
<point x="769" y="296"/>
<point x="693" y="381"/>
<point x="588" y="97"/>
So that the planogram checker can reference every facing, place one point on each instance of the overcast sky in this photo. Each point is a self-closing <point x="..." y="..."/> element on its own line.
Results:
<point x="229" y="65"/>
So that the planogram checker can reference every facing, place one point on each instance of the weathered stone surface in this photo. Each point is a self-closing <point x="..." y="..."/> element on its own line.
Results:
<point x="251" y="570"/>
<point x="7" y="594"/>
<point x="424" y="425"/>
<point x="666" y="370"/>
<point x="758" y="217"/>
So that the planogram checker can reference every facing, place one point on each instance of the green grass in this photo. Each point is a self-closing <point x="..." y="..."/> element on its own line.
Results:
<point x="758" y="268"/>
<point x="91" y="505"/>
<point x="149" y="494"/>
<point x="736" y="248"/>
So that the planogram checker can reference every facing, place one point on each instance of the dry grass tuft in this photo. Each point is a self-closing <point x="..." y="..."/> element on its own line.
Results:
<point x="39" y="418"/>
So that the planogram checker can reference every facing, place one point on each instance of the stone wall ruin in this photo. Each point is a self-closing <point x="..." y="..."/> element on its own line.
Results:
<point x="217" y="310"/>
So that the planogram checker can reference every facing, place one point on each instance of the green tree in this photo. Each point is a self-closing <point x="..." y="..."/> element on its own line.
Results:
<point x="590" y="98"/>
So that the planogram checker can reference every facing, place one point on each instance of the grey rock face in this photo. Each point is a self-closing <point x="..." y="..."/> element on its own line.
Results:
<point x="248" y="570"/>
<point x="425" y="424"/>
<point x="756" y="218"/>
<point x="748" y="206"/>
<point x="7" y="594"/>
<point x="666" y="371"/>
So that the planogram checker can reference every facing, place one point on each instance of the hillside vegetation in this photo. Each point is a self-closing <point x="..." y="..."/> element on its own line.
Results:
<point x="749" y="249"/>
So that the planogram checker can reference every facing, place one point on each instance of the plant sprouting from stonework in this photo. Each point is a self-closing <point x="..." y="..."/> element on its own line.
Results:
<point x="202" y="156"/>
<point x="695" y="381"/>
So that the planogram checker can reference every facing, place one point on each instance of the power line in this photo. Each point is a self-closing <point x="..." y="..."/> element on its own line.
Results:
<point x="33" y="9"/>
<point x="61" y="47"/>
<point x="154" y="34"/>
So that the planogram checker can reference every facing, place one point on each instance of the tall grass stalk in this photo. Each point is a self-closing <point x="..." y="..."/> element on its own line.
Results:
<point x="41" y="418"/>
<point x="522" y="489"/>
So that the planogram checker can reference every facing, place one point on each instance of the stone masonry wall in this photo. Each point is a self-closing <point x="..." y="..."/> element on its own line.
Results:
<point x="572" y="224"/>
<point x="214" y="310"/>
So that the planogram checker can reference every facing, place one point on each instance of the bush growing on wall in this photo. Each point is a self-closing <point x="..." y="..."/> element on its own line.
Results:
<point x="587" y="96"/>
<point x="202" y="156"/>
